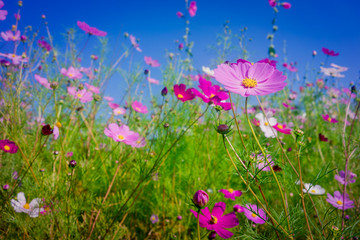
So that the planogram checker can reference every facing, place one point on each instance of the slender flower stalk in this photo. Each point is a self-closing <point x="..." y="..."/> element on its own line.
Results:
<point x="236" y="122"/>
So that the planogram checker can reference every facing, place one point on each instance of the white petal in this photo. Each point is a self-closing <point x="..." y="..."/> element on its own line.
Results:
<point x="260" y="117"/>
<point x="35" y="203"/>
<point x="18" y="207"/>
<point x="35" y="212"/>
<point x="21" y="198"/>
<point x="272" y="121"/>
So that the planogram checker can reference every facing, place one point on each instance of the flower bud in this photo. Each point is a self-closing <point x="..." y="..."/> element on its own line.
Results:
<point x="20" y="3"/>
<point x="179" y="218"/>
<point x="46" y="130"/>
<point x="223" y="129"/>
<point x="164" y="91"/>
<point x="94" y="57"/>
<point x="54" y="85"/>
<point x="201" y="198"/>
<point x="314" y="53"/>
<point x="97" y="97"/>
<point x="298" y="132"/>
<point x="6" y="187"/>
<point x="72" y="163"/>
<point x="166" y="125"/>
<point x="212" y="235"/>
<point x="146" y="72"/>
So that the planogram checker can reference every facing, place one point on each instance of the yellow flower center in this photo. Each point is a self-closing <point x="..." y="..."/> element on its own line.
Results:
<point x="266" y="124"/>
<point x="70" y="75"/>
<point x="329" y="119"/>
<point x="79" y="95"/>
<point x="339" y="202"/>
<point x="138" y="109"/>
<point x="254" y="215"/>
<point x="280" y="127"/>
<point x="26" y="206"/>
<point x="249" y="82"/>
<point x="213" y="220"/>
<point x="13" y="55"/>
<point x="14" y="37"/>
<point x="6" y="147"/>
<point x="180" y="96"/>
<point x="212" y="95"/>
<point x="313" y="191"/>
<point x="121" y="137"/>
<point x="58" y="124"/>
<point x="231" y="190"/>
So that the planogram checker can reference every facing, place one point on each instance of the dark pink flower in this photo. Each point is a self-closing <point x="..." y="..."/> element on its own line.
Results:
<point x="151" y="62"/>
<point x="255" y="214"/>
<point x="113" y="105"/>
<point x="45" y="45"/>
<point x="272" y="3"/>
<point x="329" y="52"/>
<point x="282" y="128"/>
<point x="329" y="119"/>
<point x="91" y="30"/>
<point x="138" y="107"/>
<point x="17" y="16"/>
<point x="286" y="5"/>
<point x="8" y="146"/>
<point x="238" y="208"/>
<point x="271" y="62"/>
<point x="322" y="138"/>
<point x="182" y="94"/>
<point x="231" y="193"/>
<point x="290" y="67"/>
<point x="288" y="106"/>
<point x="192" y="9"/>
<point x="214" y="221"/>
<point x="179" y="14"/>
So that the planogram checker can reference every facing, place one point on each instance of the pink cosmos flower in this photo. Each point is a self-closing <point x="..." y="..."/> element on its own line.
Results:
<point x="139" y="142"/>
<point x="290" y="67"/>
<point x="262" y="164"/>
<point x="16" y="60"/>
<point x="56" y="132"/>
<point x="121" y="133"/>
<point x="272" y="3"/>
<point x="231" y="193"/>
<point x="72" y="73"/>
<point x="214" y="221"/>
<point x="92" y="88"/>
<point x="10" y="36"/>
<point x="3" y="13"/>
<point x="8" y="146"/>
<point x="182" y="94"/>
<point x="138" y="107"/>
<point x="119" y="111"/>
<point x="43" y="81"/>
<point x="17" y="16"/>
<point x="256" y="122"/>
<point x="179" y="14"/>
<point x="329" y="119"/>
<point x="212" y="93"/>
<point x="134" y="43"/>
<point x="288" y="106"/>
<point x="91" y="30"/>
<point x="350" y="177"/>
<point x="286" y="5"/>
<point x="44" y="45"/>
<point x="192" y="9"/>
<point x="320" y="83"/>
<point x="340" y="201"/>
<point x="83" y="95"/>
<point x="255" y="214"/>
<point x="113" y="105"/>
<point x="152" y="80"/>
<point x="266" y="60"/>
<point x="107" y="98"/>
<point x="282" y="128"/>
<point x="329" y="52"/>
<point x="238" y="208"/>
<point x="246" y="79"/>
<point x="151" y="62"/>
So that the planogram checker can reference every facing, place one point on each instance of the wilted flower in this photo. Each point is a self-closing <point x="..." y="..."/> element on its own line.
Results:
<point x="46" y="130"/>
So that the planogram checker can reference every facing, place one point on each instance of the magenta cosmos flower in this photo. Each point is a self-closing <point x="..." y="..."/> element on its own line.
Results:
<point x="121" y="133"/>
<point x="282" y="128"/>
<point x="43" y="81"/>
<point x="340" y="201"/>
<point x="231" y="193"/>
<point x="135" y="43"/>
<point x="182" y="94"/>
<point x="255" y="214"/>
<point x="214" y="221"/>
<point x="3" y="13"/>
<point x="71" y="72"/>
<point x="138" y="107"/>
<point x="329" y="119"/>
<point x="91" y="30"/>
<point x="262" y="164"/>
<point x="201" y="198"/>
<point x="329" y="52"/>
<point x="8" y="146"/>
<point x="288" y="106"/>
<point x="151" y="62"/>
<point x="83" y="95"/>
<point x="212" y="93"/>
<point x="192" y="9"/>
<point x="10" y="36"/>
<point x="350" y="177"/>
<point x="247" y="79"/>
<point x="44" y="45"/>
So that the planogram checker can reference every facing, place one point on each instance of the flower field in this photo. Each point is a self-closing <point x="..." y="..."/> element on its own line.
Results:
<point x="240" y="149"/>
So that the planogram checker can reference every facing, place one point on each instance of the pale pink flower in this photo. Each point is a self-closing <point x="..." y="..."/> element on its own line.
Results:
<point x="113" y="105"/>
<point x="138" y="107"/>
<point x="107" y="98"/>
<point x="134" y="43"/>
<point x="43" y="81"/>
<point x="3" y="13"/>
<point x="119" y="111"/>
<point x="121" y="133"/>
<point x="91" y="30"/>
<point x="10" y="36"/>
<point x="71" y="72"/>
<point x="151" y="62"/>
<point x="83" y="95"/>
<point x="92" y="88"/>
<point x="152" y="80"/>
<point x="16" y="60"/>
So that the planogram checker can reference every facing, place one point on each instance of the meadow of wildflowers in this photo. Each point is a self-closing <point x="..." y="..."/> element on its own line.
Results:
<point x="235" y="150"/>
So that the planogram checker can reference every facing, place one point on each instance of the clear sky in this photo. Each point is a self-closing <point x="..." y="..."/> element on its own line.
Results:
<point x="309" y="25"/>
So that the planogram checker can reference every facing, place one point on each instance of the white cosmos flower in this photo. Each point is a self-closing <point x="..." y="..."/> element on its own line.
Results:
<point x="208" y="71"/>
<point x="315" y="190"/>
<point x="267" y="126"/>
<point x="32" y="208"/>
<point x="333" y="72"/>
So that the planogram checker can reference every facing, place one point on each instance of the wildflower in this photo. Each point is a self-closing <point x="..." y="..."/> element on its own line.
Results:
<point x="152" y="80"/>
<point x="107" y="98"/>
<point x="288" y="106"/>
<point x="134" y="43"/>
<point x="8" y="146"/>
<point x="271" y="62"/>
<point x="3" y="13"/>
<point x="179" y="218"/>
<point x="265" y="125"/>
<point x="350" y="177"/>
<point x="6" y="187"/>
<point x="208" y="71"/>
<point x="255" y="122"/>
<point x="43" y="81"/>
<point x="286" y="5"/>
<point x="120" y="133"/>
<point x="20" y="205"/>
<point x="340" y="201"/>
<point x="154" y="218"/>
<point x="138" y="141"/>
<point x="56" y="132"/>
<point x="272" y="3"/>
<point x="255" y="214"/>
<point x="164" y="91"/>
<point x="92" y="88"/>
<point x="334" y="71"/>
<point x="315" y="190"/>
<point x="69" y="154"/>
<point x="263" y="164"/>
<point x="181" y="46"/>
<point x="15" y="175"/>
<point x="282" y="128"/>
<point x="151" y="62"/>
<point x="247" y="79"/>
<point x="91" y="30"/>
<point x="290" y="67"/>
<point x="119" y="111"/>
<point x="192" y="9"/>
<point x="322" y="138"/>
<point x="223" y="129"/>
<point x="231" y="193"/>
<point x="16" y="60"/>
<point x="44" y="45"/>
<point x="212" y="235"/>
<point x="113" y="105"/>
<point x="328" y="118"/>
<point x="329" y="52"/>
<point x="201" y="198"/>
<point x="138" y="107"/>
<point x="320" y="83"/>
<point x="238" y="208"/>
<point x="10" y="36"/>
<point x="179" y="14"/>
<point x="83" y="95"/>
<point x="182" y="94"/>
<point x="72" y="163"/>
<point x="72" y="73"/>
<point x="46" y="130"/>
<point x="214" y="221"/>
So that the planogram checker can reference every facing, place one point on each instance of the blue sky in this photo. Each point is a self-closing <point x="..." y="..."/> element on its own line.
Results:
<point x="309" y="25"/>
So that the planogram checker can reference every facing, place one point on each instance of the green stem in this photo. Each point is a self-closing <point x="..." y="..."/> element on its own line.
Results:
<point x="198" y="224"/>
